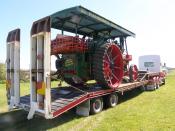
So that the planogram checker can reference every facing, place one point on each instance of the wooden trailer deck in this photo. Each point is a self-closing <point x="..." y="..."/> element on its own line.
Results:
<point x="65" y="98"/>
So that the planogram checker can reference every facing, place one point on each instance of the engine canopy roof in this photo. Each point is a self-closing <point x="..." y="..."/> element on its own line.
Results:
<point x="85" y="22"/>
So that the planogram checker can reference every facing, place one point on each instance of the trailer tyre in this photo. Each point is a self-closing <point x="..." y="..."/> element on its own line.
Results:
<point x="112" y="100"/>
<point x="143" y="88"/>
<point x="157" y="86"/>
<point x="96" y="105"/>
<point x="163" y="81"/>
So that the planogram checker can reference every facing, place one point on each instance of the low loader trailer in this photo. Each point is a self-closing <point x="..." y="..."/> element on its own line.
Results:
<point x="97" y="52"/>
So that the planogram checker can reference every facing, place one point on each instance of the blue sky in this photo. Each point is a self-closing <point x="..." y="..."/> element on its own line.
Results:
<point x="153" y="21"/>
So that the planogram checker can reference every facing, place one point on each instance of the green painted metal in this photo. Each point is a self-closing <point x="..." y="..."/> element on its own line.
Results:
<point x="85" y="22"/>
<point x="77" y="63"/>
<point x="82" y="67"/>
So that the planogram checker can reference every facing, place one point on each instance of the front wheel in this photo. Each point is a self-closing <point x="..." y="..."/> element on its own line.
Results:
<point x="133" y="73"/>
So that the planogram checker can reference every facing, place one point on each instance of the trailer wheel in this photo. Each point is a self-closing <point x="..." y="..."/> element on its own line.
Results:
<point x="157" y="82"/>
<point x="143" y="88"/>
<point x="163" y="81"/>
<point x="96" y="105"/>
<point x="157" y="86"/>
<point x="112" y="100"/>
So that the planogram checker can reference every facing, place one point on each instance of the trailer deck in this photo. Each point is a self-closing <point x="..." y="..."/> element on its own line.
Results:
<point x="66" y="98"/>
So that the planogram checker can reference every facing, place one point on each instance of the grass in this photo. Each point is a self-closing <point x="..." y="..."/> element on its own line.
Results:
<point x="147" y="111"/>
<point x="25" y="89"/>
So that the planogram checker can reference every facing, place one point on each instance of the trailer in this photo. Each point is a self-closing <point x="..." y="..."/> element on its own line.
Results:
<point x="98" y="51"/>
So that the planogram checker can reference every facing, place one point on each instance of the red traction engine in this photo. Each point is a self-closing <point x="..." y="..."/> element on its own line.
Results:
<point x="83" y="59"/>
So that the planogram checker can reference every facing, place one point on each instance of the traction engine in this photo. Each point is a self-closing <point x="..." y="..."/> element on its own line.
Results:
<point x="83" y="59"/>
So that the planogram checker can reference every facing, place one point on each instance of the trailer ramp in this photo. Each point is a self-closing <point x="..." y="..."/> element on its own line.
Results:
<point x="62" y="100"/>
<point x="65" y="98"/>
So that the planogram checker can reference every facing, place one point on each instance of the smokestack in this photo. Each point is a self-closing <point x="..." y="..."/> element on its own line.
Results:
<point x="164" y="65"/>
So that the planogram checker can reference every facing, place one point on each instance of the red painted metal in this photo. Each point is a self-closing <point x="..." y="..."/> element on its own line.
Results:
<point x="13" y="35"/>
<point x="70" y="106"/>
<point x="94" y="94"/>
<point x="73" y="72"/>
<point x="134" y="73"/>
<point x="39" y="85"/>
<point x="153" y="80"/>
<point x="100" y="93"/>
<point x="162" y="74"/>
<point x="128" y="57"/>
<point x="68" y="44"/>
<point x="80" y="100"/>
<point x="113" y="66"/>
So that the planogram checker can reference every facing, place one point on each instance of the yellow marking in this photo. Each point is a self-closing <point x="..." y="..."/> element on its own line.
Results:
<point x="68" y="62"/>
<point x="41" y="90"/>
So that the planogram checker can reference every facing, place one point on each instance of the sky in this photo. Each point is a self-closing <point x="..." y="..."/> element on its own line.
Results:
<point x="153" y="22"/>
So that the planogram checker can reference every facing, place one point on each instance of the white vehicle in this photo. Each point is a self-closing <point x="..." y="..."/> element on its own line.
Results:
<point x="152" y="64"/>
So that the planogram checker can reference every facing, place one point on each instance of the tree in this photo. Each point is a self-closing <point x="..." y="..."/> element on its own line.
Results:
<point x="24" y="75"/>
<point x="2" y="71"/>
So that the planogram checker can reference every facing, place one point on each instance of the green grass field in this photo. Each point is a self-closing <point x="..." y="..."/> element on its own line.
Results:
<point x="145" y="111"/>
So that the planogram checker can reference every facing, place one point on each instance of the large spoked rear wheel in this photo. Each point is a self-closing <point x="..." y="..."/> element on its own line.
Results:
<point x="108" y="65"/>
<point x="96" y="105"/>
